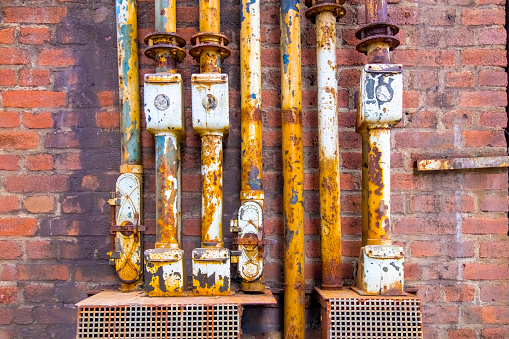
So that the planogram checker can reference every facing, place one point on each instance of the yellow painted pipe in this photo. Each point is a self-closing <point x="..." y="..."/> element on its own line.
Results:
<point x="210" y="16"/>
<point x="293" y="170"/>
<point x="165" y="16"/>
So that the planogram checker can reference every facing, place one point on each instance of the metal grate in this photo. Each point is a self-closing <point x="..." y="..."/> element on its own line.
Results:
<point x="155" y="322"/>
<point x="375" y="318"/>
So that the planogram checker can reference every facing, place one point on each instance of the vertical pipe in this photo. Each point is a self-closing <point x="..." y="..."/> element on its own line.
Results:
<point x="210" y="16"/>
<point x="250" y="93"/>
<point x="376" y="11"/>
<point x="127" y="45"/>
<point x="165" y="16"/>
<point x="365" y="188"/>
<point x="379" y="186"/>
<point x="167" y="190"/>
<point x="212" y="190"/>
<point x="328" y="151"/>
<point x="293" y="171"/>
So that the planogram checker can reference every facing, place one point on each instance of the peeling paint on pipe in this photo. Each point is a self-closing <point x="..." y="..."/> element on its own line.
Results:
<point x="328" y="151"/>
<point x="293" y="171"/>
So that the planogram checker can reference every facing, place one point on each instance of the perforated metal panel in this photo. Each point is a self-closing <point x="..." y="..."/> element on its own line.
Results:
<point x="374" y="318"/>
<point x="154" y="322"/>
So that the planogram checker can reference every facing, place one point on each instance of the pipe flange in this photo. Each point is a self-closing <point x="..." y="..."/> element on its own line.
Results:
<point x="377" y="32"/>
<point x="156" y="51"/>
<point x="163" y="38"/>
<point x="210" y="38"/>
<point x="197" y="50"/>
<point x="337" y="10"/>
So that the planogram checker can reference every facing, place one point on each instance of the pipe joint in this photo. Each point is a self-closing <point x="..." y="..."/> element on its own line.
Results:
<point x="209" y="42"/>
<point x="165" y="45"/>
<point x="316" y="7"/>
<point x="377" y="32"/>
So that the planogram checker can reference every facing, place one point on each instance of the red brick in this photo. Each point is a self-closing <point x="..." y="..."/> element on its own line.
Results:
<point x="36" y="272"/>
<point x="13" y="56"/>
<point x="18" y="226"/>
<point x="492" y="36"/>
<point x="9" y="162"/>
<point x="34" y="35"/>
<point x="41" y="249"/>
<point x="425" y="203"/>
<point x="484" y="226"/>
<point x="19" y="140"/>
<point x="464" y="333"/>
<point x="487" y="314"/>
<point x="493" y="78"/>
<point x="483" y="57"/>
<point x="7" y="35"/>
<point x="70" y="161"/>
<point x="9" y="294"/>
<point x="495" y="332"/>
<point x="36" y="15"/>
<point x="39" y="204"/>
<point x="37" y="183"/>
<point x="485" y="271"/>
<point x="410" y="99"/>
<point x="9" y="119"/>
<point x="109" y="119"/>
<point x="432" y="140"/>
<point x="494" y="249"/>
<point x="39" y="162"/>
<point x="439" y="314"/>
<point x="484" y="138"/>
<point x="7" y="77"/>
<point x="479" y="180"/>
<point x="494" y="293"/>
<point x="55" y="57"/>
<point x="40" y="293"/>
<point x="33" y="99"/>
<point x="459" y="37"/>
<point x="461" y="293"/>
<point x="493" y="119"/>
<point x="483" y="99"/>
<point x="477" y="17"/>
<point x="464" y="249"/>
<point x="494" y="204"/>
<point x="90" y="182"/>
<point x="425" y="226"/>
<point x="460" y="79"/>
<point x="106" y="98"/>
<point x="460" y="203"/>
<point x="34" y="77"/>
<point x="38" y="120"/>
<point x="349" y="57"/>
<point x="10" y="250"/>
<point x="425" y="248"/>
<point x="9" y="203"/>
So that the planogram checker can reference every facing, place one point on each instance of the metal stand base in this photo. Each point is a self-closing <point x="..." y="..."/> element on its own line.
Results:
<point x="112" y="314"/>
<point x="348" y="315"/>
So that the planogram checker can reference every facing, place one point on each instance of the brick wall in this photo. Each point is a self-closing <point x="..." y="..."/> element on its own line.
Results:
<point x="59" y="158"/>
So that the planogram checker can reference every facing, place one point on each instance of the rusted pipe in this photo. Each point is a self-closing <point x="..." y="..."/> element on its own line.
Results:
<point x="127" y="254"/>
<point x="250" y="94"/>
<point x="328" y="144"/>
<point x="250" y="259"/>
<point x="211" y="263"/>
<point x="165" y="16"/>
<point x="293" y="169"/>
<point x="212" y="190"/>
<point x="167" y="191"/>
<point x="127" y="46"/>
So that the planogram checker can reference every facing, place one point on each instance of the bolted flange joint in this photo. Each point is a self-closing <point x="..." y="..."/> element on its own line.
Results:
<point x="162" y="47"/>
<point x="384" y="32"/>
<point x="317" y="6"/>
<point x="209" y="42"/>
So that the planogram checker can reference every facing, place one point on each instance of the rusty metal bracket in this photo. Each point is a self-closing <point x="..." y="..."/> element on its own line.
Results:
<point x="128" y="227"/>
<point x="462" y="163"/>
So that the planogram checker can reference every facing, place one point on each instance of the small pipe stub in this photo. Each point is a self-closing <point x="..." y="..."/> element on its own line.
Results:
<point x="316" y="7"/>
<point x="161" y="44"/>
<point x="209" y="41"/>
<point x="377" y="32"/>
